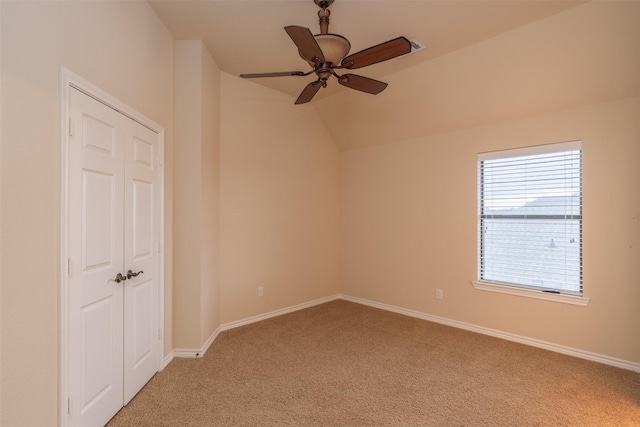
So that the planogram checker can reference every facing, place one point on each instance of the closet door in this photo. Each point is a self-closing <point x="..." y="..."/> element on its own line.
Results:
<point x="141" y="257"/>
<point x="96" y="246"/>
<point x="113" y="230"/>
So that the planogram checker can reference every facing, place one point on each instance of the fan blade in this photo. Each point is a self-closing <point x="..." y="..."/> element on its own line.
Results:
<point x="309" y="92"/>
<point x="378" y="53"/>
<point x="307" y="44"/>
<point x="364" y="84"/>
<point x="278" y="74"/>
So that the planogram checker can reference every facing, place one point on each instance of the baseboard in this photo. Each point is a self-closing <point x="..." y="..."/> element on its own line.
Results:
<point x="594" y="357"/>
<point x="280" y="312"/>
<point x="167" y="359"/>
<point x="193" y="353"/>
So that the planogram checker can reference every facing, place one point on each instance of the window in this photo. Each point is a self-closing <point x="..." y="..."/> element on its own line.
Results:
<point x="530" y="218"/>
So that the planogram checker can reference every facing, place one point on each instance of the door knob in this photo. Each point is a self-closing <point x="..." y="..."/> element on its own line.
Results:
<point x="131" y="274"/>
<point x="120" y="278"/>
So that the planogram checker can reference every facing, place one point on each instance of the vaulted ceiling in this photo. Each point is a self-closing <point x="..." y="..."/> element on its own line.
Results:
<point x="430" y="90"/>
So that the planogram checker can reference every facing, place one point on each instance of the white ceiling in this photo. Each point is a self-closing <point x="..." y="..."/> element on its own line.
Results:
<point x="247" y="36"/>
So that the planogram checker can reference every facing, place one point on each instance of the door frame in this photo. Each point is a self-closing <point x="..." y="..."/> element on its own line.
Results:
<point x="70" y="80"/>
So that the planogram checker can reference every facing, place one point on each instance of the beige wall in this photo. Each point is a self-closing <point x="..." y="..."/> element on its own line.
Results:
<point x="409" y="206"/>
<point x="121" y="47"/>
<point x="209" y="216"/>
<point x="279" y="200"/>
<point x="195" y="296"/>
<point x="409" y="226"/>
<point x="187" y="199"/>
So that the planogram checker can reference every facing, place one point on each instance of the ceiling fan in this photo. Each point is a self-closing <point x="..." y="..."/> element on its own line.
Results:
<point x="327" y="52"/>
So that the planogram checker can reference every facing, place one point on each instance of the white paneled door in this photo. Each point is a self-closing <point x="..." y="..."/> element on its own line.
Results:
<point x="113" y="245"/>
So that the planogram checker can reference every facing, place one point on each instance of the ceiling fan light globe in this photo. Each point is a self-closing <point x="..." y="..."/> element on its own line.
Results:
<point x="333" y="46"/>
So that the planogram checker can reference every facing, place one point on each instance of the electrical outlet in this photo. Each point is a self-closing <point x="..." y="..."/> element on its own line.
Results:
<point x="261" y="291"/>
<point x="439" y="294"/>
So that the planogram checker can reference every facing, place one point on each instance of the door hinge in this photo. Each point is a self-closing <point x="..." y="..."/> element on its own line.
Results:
<point x="159" y="248"/>
<point x="160" y="160"/>
<point x="68" y="406"/>
<point x="71" y="127"/>
<point x="69" y="266"/>
<point x="159" y="333"/>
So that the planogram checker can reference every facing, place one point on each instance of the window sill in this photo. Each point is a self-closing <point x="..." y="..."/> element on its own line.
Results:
<point x="533" y="293"/>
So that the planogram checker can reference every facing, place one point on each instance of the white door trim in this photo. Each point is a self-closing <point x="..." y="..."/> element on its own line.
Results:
<point x="67" y="81"/>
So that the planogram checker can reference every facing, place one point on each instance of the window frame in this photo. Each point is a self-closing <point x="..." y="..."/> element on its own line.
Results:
<point x="569" y="297"/>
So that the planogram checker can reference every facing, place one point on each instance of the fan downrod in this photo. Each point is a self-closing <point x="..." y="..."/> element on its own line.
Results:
<point x="323" y="14"/>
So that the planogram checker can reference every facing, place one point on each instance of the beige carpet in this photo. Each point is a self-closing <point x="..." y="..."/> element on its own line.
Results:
<point x="345" y="364"/>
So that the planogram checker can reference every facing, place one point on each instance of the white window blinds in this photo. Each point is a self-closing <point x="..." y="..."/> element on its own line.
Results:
<point x="530" y="217"/>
